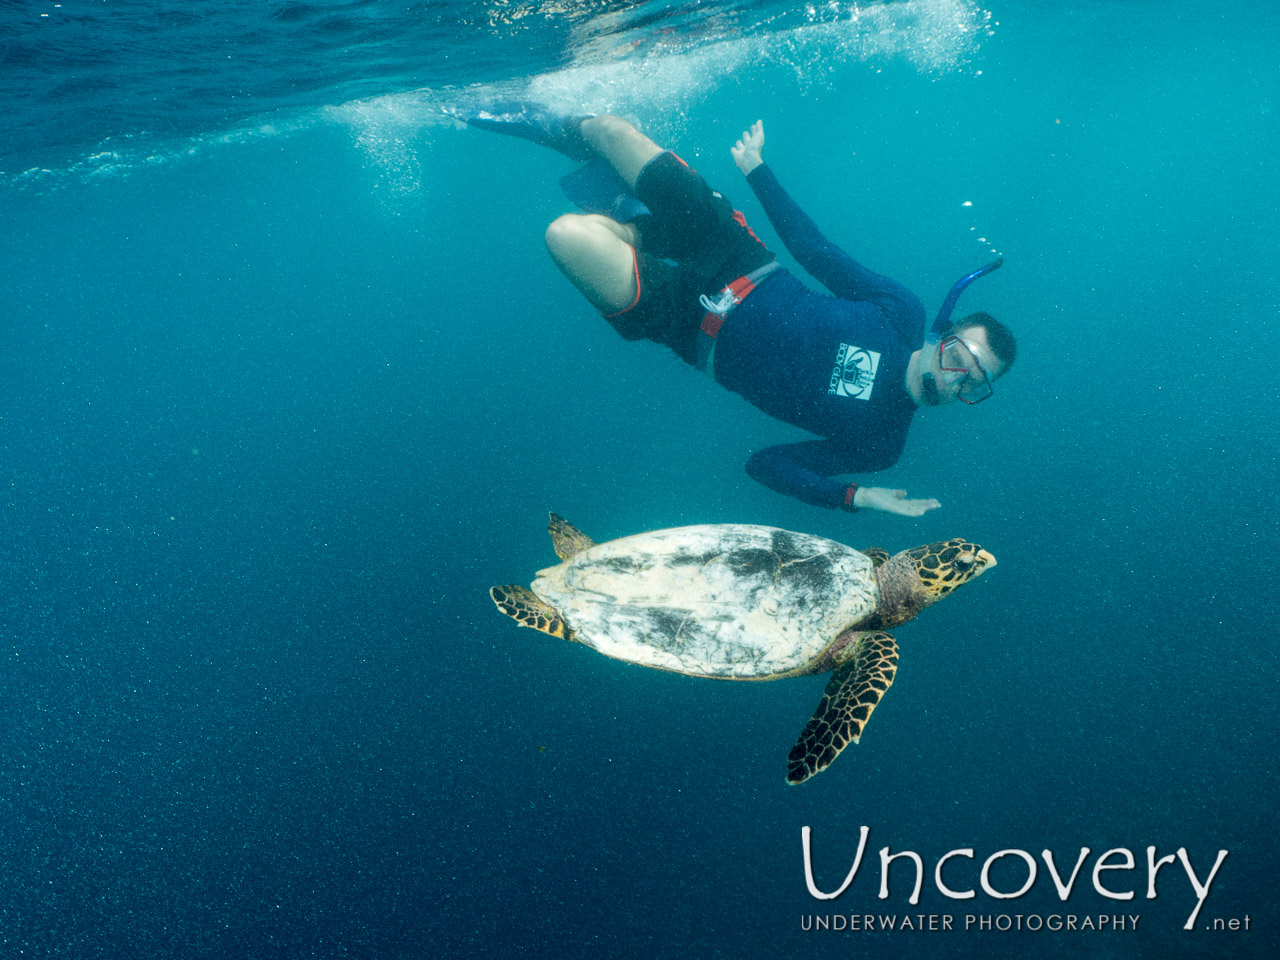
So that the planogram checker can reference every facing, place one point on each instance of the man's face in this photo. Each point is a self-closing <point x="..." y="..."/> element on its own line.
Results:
<point x="964" y="366"/>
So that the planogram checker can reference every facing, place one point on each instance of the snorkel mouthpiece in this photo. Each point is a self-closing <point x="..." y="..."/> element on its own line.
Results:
<point x="934" y="335"/>
<point x="930" y="389"/>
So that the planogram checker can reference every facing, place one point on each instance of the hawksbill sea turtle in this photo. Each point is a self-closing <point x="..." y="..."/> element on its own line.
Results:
<point x="742" y="602"/>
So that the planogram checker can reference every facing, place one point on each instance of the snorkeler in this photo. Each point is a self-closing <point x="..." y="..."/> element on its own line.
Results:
<point x="664" y="257"/>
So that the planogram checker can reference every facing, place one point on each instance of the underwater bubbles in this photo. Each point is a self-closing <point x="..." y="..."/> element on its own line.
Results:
<point x="386" y="130"/>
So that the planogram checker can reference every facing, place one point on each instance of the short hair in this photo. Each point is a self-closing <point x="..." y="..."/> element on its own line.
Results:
<point x="999" y="337"/>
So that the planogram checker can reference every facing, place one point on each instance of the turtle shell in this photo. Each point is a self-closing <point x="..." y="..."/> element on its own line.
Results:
<point x="735" y="601"/>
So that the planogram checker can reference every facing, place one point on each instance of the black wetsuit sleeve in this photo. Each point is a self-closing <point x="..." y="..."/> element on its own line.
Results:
<point x="804" y="470"/>
<point x="827" y="263"/>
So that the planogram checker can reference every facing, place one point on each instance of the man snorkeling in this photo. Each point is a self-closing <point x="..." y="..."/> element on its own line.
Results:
<point x="664" y="257"/>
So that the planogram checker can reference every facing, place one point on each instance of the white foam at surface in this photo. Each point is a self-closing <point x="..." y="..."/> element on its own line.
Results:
<point x="661" y="82"/>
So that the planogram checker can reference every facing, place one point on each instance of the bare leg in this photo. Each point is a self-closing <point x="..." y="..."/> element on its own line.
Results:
<point x="598" y="256"/>
<point x="596" y="253"/>
<point x="625" y="147"/>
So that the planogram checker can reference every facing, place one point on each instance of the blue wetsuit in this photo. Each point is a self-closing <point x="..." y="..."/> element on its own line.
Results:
<point x="833" y="366"/>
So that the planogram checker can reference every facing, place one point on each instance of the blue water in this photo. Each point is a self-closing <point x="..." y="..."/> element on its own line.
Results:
<point x="290" y="381"/>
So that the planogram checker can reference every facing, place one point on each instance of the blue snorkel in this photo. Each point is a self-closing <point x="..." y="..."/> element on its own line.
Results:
<point x="933" y="336"/>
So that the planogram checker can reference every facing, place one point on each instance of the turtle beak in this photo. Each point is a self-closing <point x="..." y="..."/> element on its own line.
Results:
<point x="986" y="559"/>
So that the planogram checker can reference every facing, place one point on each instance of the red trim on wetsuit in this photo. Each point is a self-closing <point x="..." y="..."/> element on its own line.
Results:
<point x="741" y="218"/>
<point x="712" y="321"/>
<point x="635" y="265"/>
<point x="849" y="491"/>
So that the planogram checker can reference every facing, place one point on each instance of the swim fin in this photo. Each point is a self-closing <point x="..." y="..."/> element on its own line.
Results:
<point x="597" y="188"/>
<point x="516" y="119"/>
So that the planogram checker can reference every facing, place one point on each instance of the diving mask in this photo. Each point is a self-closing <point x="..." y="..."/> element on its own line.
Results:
<point x="959" y="365"/>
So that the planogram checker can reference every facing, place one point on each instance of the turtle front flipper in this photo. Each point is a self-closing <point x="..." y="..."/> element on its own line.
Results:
<point x="523" y="606"/>
<point x="852" y="693"/>
<point x="567" y="539"/>
<point x="878" y="555"/>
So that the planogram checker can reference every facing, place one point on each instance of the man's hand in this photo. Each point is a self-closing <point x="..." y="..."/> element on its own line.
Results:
<point x="892" y="501"/>
<point x="746" y="152"/>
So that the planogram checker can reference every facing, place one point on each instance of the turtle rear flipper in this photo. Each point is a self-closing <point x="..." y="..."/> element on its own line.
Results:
<point x="846" y="705"/>
<point x="566" y="538"/>
<point x="523" y="606"/>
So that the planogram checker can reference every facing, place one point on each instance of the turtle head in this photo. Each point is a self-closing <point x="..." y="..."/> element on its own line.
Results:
<point x="915" y="578"/>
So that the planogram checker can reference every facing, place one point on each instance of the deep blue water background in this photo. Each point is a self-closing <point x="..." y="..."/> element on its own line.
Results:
<point x="291" y="382"/>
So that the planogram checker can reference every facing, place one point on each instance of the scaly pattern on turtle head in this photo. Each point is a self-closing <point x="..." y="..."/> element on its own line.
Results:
<point x="948" y="564"/>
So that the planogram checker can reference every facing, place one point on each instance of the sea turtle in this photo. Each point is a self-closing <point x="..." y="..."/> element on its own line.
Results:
<point x="742" y="602"/>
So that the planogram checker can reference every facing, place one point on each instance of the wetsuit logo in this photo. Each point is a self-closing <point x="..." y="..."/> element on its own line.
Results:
<point x="855" y="372"/>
